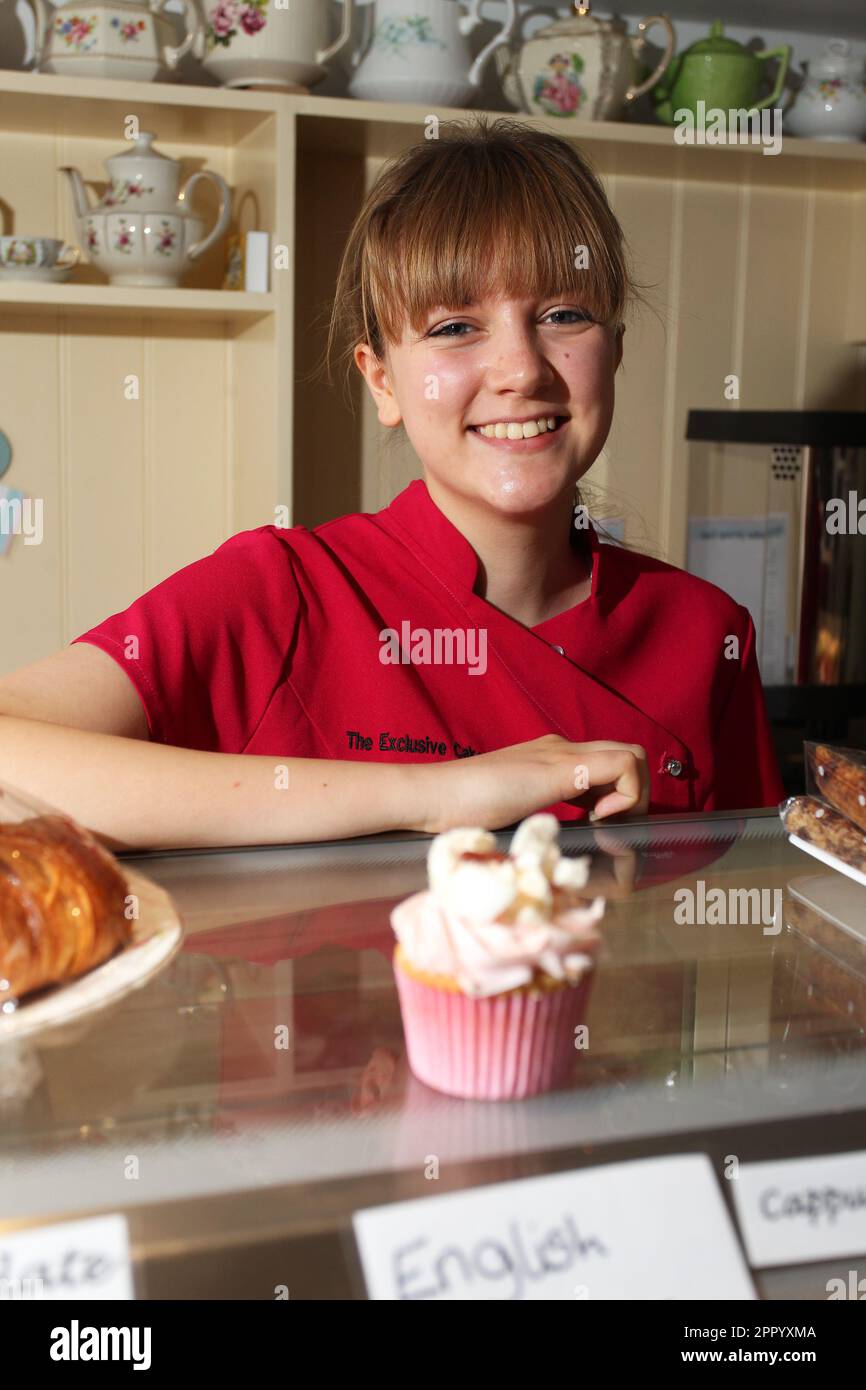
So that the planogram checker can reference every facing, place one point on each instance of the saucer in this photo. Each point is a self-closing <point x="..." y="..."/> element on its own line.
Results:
<point x="55" y="274"/>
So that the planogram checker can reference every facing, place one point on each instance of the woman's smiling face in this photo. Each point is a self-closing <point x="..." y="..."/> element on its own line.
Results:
<point x="498" y="362"/>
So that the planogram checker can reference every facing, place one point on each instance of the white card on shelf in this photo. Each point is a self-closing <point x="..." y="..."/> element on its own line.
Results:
<point x="654" y="1228"/>
<point x="256" y="253"/>
<point x="796" y="1210"/>
<point x="69" y="1260"/>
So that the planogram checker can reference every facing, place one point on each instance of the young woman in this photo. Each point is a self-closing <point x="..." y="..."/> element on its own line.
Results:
<point x="468" y="654"/>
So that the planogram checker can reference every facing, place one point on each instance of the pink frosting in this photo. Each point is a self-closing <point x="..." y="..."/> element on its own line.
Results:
<point x="491" y="923"/>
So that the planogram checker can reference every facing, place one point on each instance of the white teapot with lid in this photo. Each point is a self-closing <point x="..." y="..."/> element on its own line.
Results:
<point x="831" y="104"/>
<point x="580" y="68"/>
<point x="141" y="232"/>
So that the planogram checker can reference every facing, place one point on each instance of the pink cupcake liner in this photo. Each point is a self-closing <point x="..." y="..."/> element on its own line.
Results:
<point x="502" y="1047"/>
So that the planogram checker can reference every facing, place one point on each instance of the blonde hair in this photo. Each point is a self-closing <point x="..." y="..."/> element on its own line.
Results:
<point x="492" y="205"/>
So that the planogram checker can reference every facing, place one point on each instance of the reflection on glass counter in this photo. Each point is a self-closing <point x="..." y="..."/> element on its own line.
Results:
<point x="271" y="1050"/>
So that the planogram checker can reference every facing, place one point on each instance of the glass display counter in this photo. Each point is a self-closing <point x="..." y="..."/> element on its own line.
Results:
<point x="244" y="1104"/>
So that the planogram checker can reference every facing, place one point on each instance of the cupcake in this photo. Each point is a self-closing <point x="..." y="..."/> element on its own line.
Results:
<point x="494" y="962"/>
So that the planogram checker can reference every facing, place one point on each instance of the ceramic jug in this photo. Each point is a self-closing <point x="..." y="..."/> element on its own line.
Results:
<point x="722" y="73"/>
<point x="128" y="39"/>
<point x="141" y="232"/>
<point x="831" y="104"/>
<point x="419" y="51"/>
<point x="275" y="44"/>
<point x="581" y="68"/>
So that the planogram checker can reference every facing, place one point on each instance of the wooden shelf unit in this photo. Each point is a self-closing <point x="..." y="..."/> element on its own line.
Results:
<point x="185" y="305"/>
<point x="757" y="263"/>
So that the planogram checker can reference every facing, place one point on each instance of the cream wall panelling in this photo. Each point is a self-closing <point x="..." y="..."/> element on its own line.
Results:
<point x="756" y="264"/>
<point x="135" y="489"/>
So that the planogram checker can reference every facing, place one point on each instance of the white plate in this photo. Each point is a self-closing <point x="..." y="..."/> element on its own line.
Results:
<point x="55" y="274"/>
<point x="156" y="937"/>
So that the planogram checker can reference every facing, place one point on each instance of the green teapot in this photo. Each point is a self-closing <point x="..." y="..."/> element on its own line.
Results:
<point x="720" y="72"/>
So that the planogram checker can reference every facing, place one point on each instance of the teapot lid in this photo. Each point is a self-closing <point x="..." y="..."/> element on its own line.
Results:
<point x="716" y="42"/>
<point x="836" y="60"/>
<point x="580" y="25"/>
<point x="142" y="148"/>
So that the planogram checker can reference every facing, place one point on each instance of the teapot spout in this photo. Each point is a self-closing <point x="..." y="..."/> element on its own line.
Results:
<point x="80" y="200"/>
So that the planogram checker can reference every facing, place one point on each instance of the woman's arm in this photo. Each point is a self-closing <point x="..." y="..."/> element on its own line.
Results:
<point x="136" y="795"/>
<point x="73" y="733"/>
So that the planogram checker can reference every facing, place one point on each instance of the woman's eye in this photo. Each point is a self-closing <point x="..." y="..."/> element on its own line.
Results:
<point x="565" y="318"/>
<point x="577" y="315"/>
<point x="444" y="333"/>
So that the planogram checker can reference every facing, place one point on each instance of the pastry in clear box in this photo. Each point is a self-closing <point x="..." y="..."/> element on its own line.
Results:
<point x="838" y="775"/>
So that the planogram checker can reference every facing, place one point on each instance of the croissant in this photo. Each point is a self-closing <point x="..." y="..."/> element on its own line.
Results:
<point x="62" y="904"/>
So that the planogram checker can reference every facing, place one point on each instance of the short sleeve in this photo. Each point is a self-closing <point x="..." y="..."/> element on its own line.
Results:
<point x="207" y="647"/>
<point x="746" y="767"/>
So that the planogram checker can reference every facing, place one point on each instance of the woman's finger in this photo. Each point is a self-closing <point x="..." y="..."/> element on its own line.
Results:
<point x="621" y="769"/>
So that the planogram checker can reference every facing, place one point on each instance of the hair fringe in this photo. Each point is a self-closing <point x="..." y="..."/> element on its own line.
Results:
<point x="424" y="232"/>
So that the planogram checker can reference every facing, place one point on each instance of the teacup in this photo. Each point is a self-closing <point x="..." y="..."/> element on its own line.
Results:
<point x="32" y="252"/>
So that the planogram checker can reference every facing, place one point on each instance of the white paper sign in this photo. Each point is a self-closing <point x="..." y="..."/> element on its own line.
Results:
<point x="70" y="1260"/>
<point x="747" y="556"/>
<point x="655" y="1228"/>
<point x="795" y="1210"/>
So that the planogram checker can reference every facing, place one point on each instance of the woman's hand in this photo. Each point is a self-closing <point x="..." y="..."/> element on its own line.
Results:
<point x="613" y="872"/>
<point x="493" y="790"/>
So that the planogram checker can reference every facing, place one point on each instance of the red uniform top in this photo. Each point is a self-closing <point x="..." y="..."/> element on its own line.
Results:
<point x="274" y="645"/>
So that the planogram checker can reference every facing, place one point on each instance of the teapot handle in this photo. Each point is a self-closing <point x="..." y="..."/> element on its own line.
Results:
<point x="43" y="14"/>
<point x="666" y="57"/>
<point x="368" y="28"/>
<point x="342" y="38"/>
<point x="223" y="215"/>
<point x="472" y="19"/>
<point x="194" y="38"/>
<point x="508" y="58"/>
<point x="783" y="53"/>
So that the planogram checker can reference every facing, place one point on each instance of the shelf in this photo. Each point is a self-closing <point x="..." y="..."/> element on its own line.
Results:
<point x="34" y="103"/>
<point x="376" y="129"/>
<point x="88" y="300"/>
<point x="95" y="108"/>
<point x="631" y="132"/>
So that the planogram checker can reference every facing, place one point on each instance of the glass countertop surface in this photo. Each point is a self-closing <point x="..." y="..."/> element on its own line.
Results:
<point x="270" y="1050"/>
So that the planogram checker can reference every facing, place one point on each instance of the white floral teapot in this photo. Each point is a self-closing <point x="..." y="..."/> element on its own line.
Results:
<point x="580" y="68"/>
<point x="142" y="233"/>
<point x="420" y="52"/>
<point x="831" y="104"/>
<point x="126" y="39"/>
<point x="279" y="45"/>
